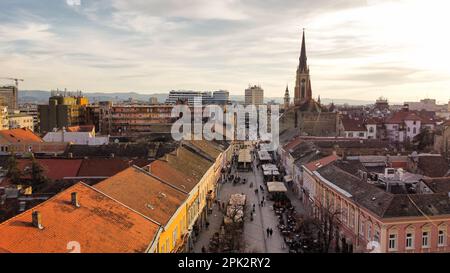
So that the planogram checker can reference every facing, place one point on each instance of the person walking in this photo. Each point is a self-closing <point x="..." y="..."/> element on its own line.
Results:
<point x="268" y="232"/>
<point x="271" y="232"/>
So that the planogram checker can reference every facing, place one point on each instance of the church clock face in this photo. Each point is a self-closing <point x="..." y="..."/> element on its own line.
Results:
<point x="303" y="88"/>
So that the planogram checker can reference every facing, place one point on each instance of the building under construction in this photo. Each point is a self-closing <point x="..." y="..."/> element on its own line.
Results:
<point x="9" y="97"/>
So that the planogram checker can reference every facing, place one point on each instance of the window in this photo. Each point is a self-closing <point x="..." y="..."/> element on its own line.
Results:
<point x="344" y="214"/>
<point x="369" y="232"/>
<point x="442" y="237"/>
<point x="361" y="227"/>
<point x="409" y="240"/>
<point x="352" y="217"/>
<point x="425" y="239"/>
<point x="392" y="241"/>
<point x="415" y="130"/>
<point x="376" y="236"/>
<point x="174" y="237"/>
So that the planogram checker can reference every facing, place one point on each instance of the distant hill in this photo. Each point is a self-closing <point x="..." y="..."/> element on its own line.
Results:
<point x="40" y="97"/>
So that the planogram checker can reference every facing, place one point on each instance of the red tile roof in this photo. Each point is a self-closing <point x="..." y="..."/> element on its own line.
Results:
<point x="293" y="143"/>
<point x="54" y="169"/>
<point x="99" y="225"/>
<point x="19" y="135"/>
<point x="400" y="117"/>
<point x="353" y="125"/>
<point x="315" y="165"/>
<point x="107" y="167"/>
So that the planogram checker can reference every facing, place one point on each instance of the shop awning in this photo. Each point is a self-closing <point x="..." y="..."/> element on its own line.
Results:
<point x="264" y="156"/>
<point x="276" y="187"/>
<point x="244" y="156"/>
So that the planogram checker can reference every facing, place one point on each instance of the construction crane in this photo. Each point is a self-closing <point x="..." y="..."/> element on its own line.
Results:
<point x="15" y="80"/>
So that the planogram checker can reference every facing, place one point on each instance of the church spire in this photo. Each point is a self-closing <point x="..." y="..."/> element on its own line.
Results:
<point x="287" y="99"/>
<point x="303" y="90"/>
<point x="303" y="59"/>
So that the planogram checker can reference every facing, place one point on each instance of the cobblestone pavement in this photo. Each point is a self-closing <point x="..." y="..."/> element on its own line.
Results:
<point x="255" y="235"/>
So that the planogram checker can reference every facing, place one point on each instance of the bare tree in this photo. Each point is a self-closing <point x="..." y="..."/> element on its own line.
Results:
<point x="319" y="232"/>
<point x="234" y="228"/>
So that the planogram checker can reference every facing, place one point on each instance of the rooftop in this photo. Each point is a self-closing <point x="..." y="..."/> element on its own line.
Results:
<point x="99" y="225"/>
<point x="144" y="193"/>
<point x="19" y="136"/>
<point x="382" y="203"/>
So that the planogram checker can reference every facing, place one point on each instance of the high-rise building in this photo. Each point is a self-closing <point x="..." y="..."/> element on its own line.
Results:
<point x="9" y="97"/>
<point x="254" y="95"/>
<point x="31" y="109"/>
<point x="153" y="100"/>
<point x="221" y="97"/>
<point x="184" y="96"/>
<point x="63" y="110"/>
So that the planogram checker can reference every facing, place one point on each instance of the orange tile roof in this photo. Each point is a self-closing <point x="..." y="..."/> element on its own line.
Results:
<point x="170" y="174"/>
<point x="99" y="225"/>
<point x="19" y="135"/>
<point x="144" y="193"/>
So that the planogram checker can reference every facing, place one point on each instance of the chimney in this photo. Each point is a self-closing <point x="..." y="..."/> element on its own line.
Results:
<point x="37" y="220"/>
<point x="74" y="199"/>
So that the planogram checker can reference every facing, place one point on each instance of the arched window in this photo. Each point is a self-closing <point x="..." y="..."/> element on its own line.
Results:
<point x="426" y="234"/>
<point x="409" y="237"/>
<point x="442" y="235"/>
<point x="393" y="238"/>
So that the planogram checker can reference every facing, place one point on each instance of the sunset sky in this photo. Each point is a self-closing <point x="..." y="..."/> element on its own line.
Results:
<point x="356" y="49"/>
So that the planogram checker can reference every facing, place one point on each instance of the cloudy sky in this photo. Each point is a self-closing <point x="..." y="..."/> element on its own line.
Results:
<point x="358" y="49"/>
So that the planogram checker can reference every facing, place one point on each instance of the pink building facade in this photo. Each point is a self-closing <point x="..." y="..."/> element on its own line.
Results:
<point x="372" y="220"/>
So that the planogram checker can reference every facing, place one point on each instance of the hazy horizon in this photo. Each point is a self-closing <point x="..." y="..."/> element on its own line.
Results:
<point x="356" y="49"/>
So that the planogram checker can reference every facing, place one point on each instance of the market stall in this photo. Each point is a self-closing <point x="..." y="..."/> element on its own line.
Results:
<point x="244" y="160"/>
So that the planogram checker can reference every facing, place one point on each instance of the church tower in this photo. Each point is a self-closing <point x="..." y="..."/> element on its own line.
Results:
<point x="287" y="99"/>
<point x="303" y="91"/>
